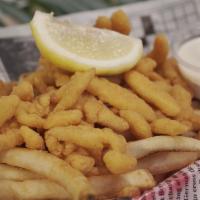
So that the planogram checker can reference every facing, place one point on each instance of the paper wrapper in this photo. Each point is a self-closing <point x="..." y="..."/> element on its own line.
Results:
<point x="183" y="185"/>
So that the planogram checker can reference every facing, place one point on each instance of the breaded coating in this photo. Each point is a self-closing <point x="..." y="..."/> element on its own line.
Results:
<point x="160" y="50"/>
<point x="25" y="118"/>
<point x="163" y="85"/>
<point x="169" y="70"/>
<point x="10" y="139"/>
<point x="63" y="118"/>
<point x="80" y="162"/>
<point x="6" y="88"/>
<point x="121" y="22"/>
<point x="50" y="166"/>
<point x="147" y="90"/>
<point x="145" y="65"/>
<point x="88" y="137"/>
<point x="168" y="126"/>
<point x="24" y="90"/>
<point x="184" y="98"/>
<point x="119" y="163"/>
<point x="60" y="78"/>
<point x="103" y="22"/>
<point x="8" y="107"/>
<point x="120" y="97"/>
<point x="140" y="128"/>
<point x="73" y="89"/>
<point x="31" y="138"/>
<point x="96" y="112"/>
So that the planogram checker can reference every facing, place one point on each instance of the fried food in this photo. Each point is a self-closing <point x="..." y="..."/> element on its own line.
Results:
<point x="24" y="90"/>
<point x="31" y="138"/>
<point x="63" y="118"/>
<point x="184" y="98"/>
<point x="51" y="167"/>
<point x="32" y="189"/>
<point x="145" y="66"/>
<point x="96" y="112"/>
<point x="111" y="184"/>
<point x="121" y="22"/>
<point x="160" y="49"/>
<point x="119" y="163"/>
<point x="172" y="161"/>
<point x="88" y="137"/>
<point x="168" y="126"/>
<point x="140" y="128"/>
<point x="73" y="89"/>
<point x="10" y="139"/>
<point x="147" y="90"/>
<point x="8" y="105"/>
<point x="103" y="22"/>
<point x="25" y="118"/>
<point x="8" y="172"/>
<point x="150" y="145"/>
<point x="81" y="162"/>
<point x="120" y="97"/>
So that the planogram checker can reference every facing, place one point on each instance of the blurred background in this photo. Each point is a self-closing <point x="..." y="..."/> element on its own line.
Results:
<point x="20" y="11"/>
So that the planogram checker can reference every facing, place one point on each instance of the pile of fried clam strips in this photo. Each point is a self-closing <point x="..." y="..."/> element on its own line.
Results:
<point x="82" y="136"/>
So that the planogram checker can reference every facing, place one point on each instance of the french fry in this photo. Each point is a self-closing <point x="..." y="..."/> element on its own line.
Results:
<point x="146" y="89"/>
<point x="32" y="189"/>
<point x="109" y="184"/>
<point x="8" y="172"/>
<point x="150" y="145"/>
<point x="52" y="167"/>
<point x="172" y="161"/>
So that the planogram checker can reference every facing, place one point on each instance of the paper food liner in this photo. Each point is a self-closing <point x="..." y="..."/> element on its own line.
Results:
<point x="183" y="185"/>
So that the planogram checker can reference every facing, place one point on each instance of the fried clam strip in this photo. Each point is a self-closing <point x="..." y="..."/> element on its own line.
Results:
<point x="93" y="139"/>
<point x="96" y="112"/>
<point x="24" y="90"/>
<point x="29" y="119"/>
<point x="120" y="97"/>
<point x="8" y="172"/>
<point x="147" y="90"/>
<point x="150" y="145"/>
<point x="52" y="167"/>
<point x="87" y="137"/>
<point x="69" y="93"/>
<point x="140" y="128"/>
<point x="10" y="139"/>
<point x="172" y="161"/>
<point x="31" y="138"/>
<point x="160" y="50"/>
<point x="63" y="118"/>
<point x="168" y="126"/>
<point x="31" y="189"/>
<point x="111" y="184"/>
<point x="8" y="106"/>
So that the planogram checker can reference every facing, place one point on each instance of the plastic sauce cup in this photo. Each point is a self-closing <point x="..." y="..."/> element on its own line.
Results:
<point x="187" y="53"/>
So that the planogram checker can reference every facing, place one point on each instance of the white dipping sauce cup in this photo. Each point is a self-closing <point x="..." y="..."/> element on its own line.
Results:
<point x="187" y="53"/>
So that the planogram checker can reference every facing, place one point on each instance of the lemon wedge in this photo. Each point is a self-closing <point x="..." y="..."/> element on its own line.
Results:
<point x="79" y="48"/>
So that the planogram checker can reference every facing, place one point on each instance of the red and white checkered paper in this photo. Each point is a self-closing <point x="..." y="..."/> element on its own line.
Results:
<point x="183" y="185"/>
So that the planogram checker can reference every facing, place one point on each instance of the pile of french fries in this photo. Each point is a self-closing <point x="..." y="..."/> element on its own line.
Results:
<point x="81" y="136"/>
